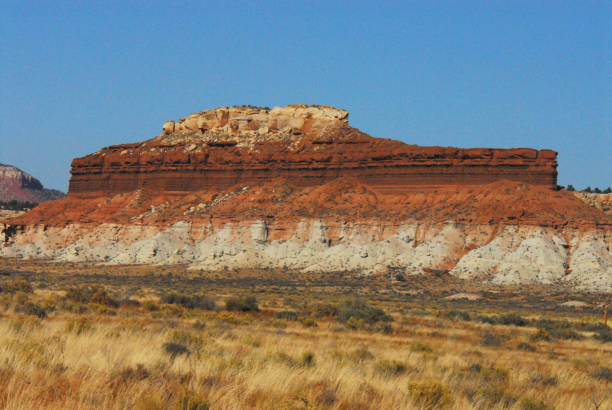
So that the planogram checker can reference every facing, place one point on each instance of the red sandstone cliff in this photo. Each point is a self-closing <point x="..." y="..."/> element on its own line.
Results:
<point x="306" y="145"/>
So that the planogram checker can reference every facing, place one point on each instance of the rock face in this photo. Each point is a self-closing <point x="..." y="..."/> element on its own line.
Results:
<point x="297" y="188"/>
<point x="306" y="145"/>
<point x="17" y="185"/>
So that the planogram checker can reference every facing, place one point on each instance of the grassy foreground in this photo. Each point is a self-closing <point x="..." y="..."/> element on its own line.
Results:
<point x="156" y="338"/>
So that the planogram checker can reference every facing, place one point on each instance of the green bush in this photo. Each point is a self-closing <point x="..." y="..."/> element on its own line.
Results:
<point x="242" y="304"/>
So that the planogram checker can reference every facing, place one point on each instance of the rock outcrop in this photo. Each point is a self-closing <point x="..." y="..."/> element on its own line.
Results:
<point x="306" y="145"/>
<point x="297" y="188"/>
<point x="19" y="186"/>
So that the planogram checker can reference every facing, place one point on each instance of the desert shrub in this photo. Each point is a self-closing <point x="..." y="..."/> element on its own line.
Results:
<point x="533" y="404"/>
<point x="390" y="367"/>
<point x="491" y="320"/>
<point x="91" y="294"/>
<point x="308" y="322"/>
<point x="603" y="373"/>
<point x="79" y="325"/>
<point x="175" y="349"/>
<point x="361" y="354"/>
<point x="32" y="309"/>
<point x="242" y="304"/>
<point x="385" y="328"/>
<point x="558" y="329"/>
<point x="541" y="334"/>
<point x="431" y="394"/>
<point x="192" y="341"/>
<point x="604" y="334"/>
<point x="421" y="347"/>
<point x="457" y="315"/>
<point x="17" y="285"/>
<point x="321" y="310"/>
<point x="189" y="301"/>
<point x="287" y="315"/>
<point x="190" y="400"/>
<point x="150" y="306"/>
<point x="359" y="310"/>
<point x="513" y="319"/>
<point x="307" y="359"/>
<point x="492" y="339"/>
<point x="525" y="347"/>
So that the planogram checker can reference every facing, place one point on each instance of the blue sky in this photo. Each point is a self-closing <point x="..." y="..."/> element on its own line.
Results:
<point x="77" y="76"/>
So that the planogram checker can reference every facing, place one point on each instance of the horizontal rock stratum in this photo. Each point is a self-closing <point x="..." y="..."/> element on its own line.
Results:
<point x="306" y="145"/>
<point x="297" y="188"/>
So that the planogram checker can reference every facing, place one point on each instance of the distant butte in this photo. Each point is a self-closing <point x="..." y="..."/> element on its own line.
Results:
<point x="307" y="145"/>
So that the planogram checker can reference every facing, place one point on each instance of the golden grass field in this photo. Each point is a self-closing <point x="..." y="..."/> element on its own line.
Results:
<point x="77" y="336"/>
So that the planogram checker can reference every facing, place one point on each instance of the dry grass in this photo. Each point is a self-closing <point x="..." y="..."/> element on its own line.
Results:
<point x="141" y="352"/>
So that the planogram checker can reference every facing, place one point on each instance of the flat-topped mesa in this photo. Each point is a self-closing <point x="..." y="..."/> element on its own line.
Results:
<point x="254" y="123"/>
<point x="307" y="145"/>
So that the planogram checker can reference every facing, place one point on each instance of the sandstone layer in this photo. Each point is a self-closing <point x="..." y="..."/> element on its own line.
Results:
<point x="297" y="188"/>
<point x="20" y="186"/>
<point x="306" y="145"/>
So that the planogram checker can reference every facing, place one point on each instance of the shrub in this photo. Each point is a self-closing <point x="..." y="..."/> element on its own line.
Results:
<point x="604" y="334"/>
<point x="91" y="294"/>
<point x="33" y="309"/>
<point x="176" y="349"/>
<point x="525" y="347"/>
<point x="307" y="359"/>
<point x="359" y="310"/>
<point x="492" y="339"/>
<point x="242" y="304"/>
<point x="603" y="373"/>
<point x="321" y="310"/>
<point x="390" y="367"/>
<point x="189" y="301"/>
<point x="361" y="354"/>
<point x="287" y="315"/>
<point x="431" y="394"/>
<point x="457" y="315"/>
<point x="558" y="329"/>
<point x="308" y="322"/>
<point x="541" y="334"/>
<point x="421" y="347"/>
<point x="17" y="285"/>
<point x="513" y="319"/>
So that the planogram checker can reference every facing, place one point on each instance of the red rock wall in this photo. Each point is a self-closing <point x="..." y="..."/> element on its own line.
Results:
<point x="385" y="165"/>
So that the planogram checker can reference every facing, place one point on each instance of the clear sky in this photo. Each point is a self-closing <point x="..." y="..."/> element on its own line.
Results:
<point x="76" y="76"/>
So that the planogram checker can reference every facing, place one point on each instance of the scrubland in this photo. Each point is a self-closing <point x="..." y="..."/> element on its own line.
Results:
<point x="77" y="336"/>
